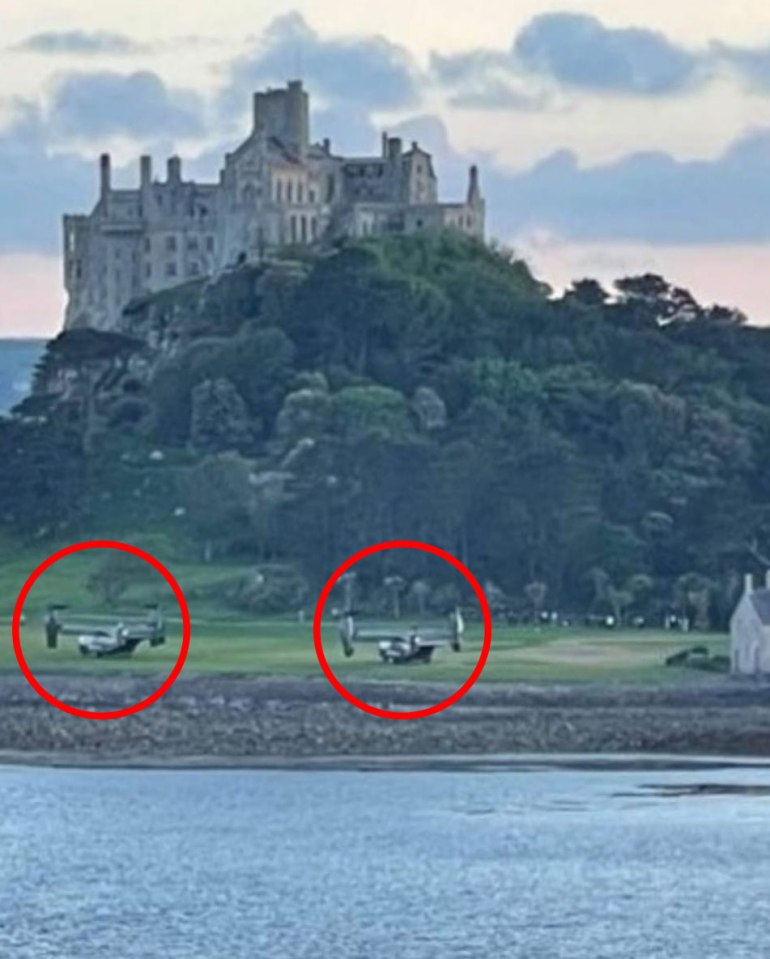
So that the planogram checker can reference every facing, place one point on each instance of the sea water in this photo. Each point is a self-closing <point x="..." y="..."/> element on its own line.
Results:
<point x="545" y="862"/>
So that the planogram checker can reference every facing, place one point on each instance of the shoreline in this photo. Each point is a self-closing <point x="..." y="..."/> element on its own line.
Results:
<point x="514" y="763"/>
<point x="278" y="723"/>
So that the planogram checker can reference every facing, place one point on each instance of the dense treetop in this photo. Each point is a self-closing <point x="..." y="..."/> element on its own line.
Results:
<point x="597" y="449"/>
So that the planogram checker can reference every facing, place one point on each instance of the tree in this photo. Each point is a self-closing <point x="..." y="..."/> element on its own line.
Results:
<point x="219" y="500"/>
<point x="421" y="592"/>
<point x="536" y="593"/>
<point x="395" y="585"/>
<point x="115" y="573"/>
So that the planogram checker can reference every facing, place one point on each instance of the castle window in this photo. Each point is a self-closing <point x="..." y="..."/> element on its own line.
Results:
<point x="300" y="193"/>
<point x="330" y="188"/>
<point x="171" y="244"/>
<point x="194" y="269"/>
<point x="210" y="244"/>
<point x="192" y="243"/>
<point x="147" y="244"/>
<point x="290" y="191"/>
<point x="314" y="227"/>
<point x="148" y="271"/>
<point x="171" y="269"/>
<point x="303" y="224"/>
<point x="311" y="195"/>
<point x="279" y="191"/>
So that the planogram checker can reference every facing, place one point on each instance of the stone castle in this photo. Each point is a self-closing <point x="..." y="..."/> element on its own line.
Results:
<point x="278" y="189"/>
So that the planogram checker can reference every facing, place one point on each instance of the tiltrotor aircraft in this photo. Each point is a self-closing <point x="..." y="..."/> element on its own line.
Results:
<point x="415" y="644"/>
<point x="99" y="637"/>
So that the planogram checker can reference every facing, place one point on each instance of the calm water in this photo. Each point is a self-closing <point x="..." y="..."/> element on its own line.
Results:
<point x="385" y="865"/>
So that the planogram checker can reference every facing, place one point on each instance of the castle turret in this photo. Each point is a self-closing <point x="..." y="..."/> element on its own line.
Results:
<point x="145" y="168"/>
<point x="285" y="115"/>
<point x="474" y="190"/>
<point x="395" y="148"/>
<point x="174" y="170"/>
<point x="105" y="180"/>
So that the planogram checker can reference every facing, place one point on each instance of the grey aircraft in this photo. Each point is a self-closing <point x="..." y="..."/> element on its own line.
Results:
<point x="399" y="645"/>
<point x="100" y="636"/>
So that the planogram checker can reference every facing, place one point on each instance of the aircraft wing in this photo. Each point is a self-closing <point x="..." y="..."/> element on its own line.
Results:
<point x="83" y="629"/>
<point x="376" y="634"/>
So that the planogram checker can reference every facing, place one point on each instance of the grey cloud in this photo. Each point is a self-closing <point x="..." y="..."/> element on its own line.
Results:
<point x="575" y="52"/>
<point x="37" y="187"/>
<point x="81" y="42"/>
<point x="752" y="63"/>
<point x="89" y="105"/>
<point x="579" y="51"/>
<point x="359" y="70"/>
<point x="649" y="197"/>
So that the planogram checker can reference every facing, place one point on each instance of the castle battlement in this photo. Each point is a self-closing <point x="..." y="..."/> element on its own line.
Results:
<point x="277" y="189"/>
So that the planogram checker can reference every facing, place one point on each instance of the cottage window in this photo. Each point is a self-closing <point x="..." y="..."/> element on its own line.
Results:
<point x="171" y="244"/>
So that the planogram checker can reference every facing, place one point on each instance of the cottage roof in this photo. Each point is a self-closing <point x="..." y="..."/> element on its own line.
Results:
<point x="760" y="599"/>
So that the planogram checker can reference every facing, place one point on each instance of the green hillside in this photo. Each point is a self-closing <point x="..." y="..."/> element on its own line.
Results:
<point x="599" y="452"/>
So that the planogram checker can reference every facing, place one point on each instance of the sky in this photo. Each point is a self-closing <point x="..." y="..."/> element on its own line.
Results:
<point x="614" y="137"/>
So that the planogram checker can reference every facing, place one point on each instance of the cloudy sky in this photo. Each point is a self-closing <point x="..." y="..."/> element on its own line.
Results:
<point x="614" y="136"/>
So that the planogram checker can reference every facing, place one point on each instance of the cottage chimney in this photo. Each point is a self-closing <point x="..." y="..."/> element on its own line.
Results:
<point x="748" y="584"/>
<point x="327" y="145"/>
<point x="385" y="146"/>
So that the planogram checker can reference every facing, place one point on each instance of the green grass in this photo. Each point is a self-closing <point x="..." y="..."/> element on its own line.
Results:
<point x="222" y="641"/>
<point x="282" y="648"/>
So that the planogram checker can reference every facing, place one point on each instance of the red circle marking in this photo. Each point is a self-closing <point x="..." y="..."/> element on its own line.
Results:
<point x="388" y="713"/>
<point x="116" y="713"/>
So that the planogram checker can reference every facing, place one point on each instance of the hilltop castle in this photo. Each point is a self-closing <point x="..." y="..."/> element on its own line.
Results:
<point x="277" y="189"/>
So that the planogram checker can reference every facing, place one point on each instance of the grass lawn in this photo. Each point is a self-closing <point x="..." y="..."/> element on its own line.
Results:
<point x="281" y="647"/>
<point x="223" y="642"/>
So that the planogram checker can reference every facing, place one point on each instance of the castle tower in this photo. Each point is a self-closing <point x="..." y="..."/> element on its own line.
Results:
<point x="105" y="181"/>
<point x="474" y="189"/>
<point x="285" y="115"/>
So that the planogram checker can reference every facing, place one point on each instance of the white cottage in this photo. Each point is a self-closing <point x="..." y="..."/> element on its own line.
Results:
<point x="750" y="631"/>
